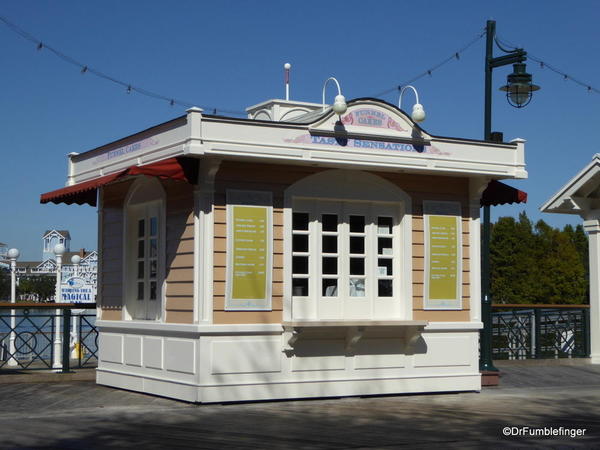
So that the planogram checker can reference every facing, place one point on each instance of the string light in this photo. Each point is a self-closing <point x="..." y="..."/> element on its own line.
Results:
<point x="455" y="55"/>
<point x="171" y="101"/>
<point x="84" y="68"/>
<point x="566" y="77"/>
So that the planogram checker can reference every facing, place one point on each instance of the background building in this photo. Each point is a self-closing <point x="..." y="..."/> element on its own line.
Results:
<point x="46" y="267"/>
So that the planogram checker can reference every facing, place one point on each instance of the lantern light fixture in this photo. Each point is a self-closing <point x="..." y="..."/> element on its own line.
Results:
<point x="339" y="103"/>
<point x="418" y="112"/>
<point x="519" y="87"/>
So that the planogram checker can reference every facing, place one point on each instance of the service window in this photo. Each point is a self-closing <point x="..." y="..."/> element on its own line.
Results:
<point x="345" y="256"/>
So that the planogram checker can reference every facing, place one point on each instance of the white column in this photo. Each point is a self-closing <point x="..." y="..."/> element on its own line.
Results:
<point x="204" y="236"/>
<point x="476" y="188"/>
<point x="13" y="254"/>
<point x="592" y="227"/>
<point x="75" y="260"/>
<point x="59" y="249"/>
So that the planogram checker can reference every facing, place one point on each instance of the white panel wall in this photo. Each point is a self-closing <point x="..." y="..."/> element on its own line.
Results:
<point x="180" y="355"/>
<point x="111" y="348"/>
<point x="133" y="351"/>
<point x="153" y="353"/>
<point x="237" y="356"/>
<point x="216" y="367"/>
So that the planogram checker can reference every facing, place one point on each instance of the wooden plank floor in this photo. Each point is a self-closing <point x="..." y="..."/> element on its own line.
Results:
<point x="82" y="415"/>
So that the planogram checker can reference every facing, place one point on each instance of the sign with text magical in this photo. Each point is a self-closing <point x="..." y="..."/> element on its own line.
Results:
<point x="443" y="255"/>
<point x="77" y="290"/>
<point x="249" y="261"/>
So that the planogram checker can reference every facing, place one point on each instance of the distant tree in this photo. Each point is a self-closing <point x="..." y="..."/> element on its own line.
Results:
<point x="560" y="273"/>
<point x="42" y="287"/>
<point x="4" y="285"/>
<point x="537" y="264"/>
<point x="580" y="240"/>
<point x="511" y="260"/>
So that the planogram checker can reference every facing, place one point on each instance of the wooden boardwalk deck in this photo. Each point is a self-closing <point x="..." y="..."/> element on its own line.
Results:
<point x="79" y="414"/>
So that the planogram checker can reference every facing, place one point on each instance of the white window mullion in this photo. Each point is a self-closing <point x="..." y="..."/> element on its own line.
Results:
<point x="316" y="275"/>
<point x="344" y="252"/>
<point x="371" y="258"/>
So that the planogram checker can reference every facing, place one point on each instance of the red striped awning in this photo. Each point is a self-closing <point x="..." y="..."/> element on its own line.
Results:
<point x="498" y="193"/>
<point x="181" y="168"/>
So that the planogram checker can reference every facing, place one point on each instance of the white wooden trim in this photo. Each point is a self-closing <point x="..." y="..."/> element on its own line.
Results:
<point x="204" y="257"/>
<point x="167" y="329"/>
<point x="99" y="273"/>
<point x="287" y="258"/>
<point x="128" y="210"/>
<point x="454" y="326"/>
<point x="476" y="188"/>
<point x="198" y="311"/>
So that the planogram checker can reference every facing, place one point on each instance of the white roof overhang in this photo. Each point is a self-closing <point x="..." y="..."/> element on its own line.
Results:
<point x="371" y="135"/>
<point x="580" y="195"/>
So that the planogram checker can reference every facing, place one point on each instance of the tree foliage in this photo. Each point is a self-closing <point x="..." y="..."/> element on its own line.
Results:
<point x="41" y="287"/>
<point x="536" y="263"/>
<point x="4" y="284"/>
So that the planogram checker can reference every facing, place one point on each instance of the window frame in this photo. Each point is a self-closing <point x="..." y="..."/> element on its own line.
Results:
<point x="365" y="190"/>
<point x="146" y="198"/>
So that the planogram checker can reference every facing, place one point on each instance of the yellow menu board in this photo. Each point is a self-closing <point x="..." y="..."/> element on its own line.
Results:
<point x="249" y="262"/>
<point x="443" y="259"/>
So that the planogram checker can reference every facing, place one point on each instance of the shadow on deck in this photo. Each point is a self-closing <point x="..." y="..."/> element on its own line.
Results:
<point x="76" y="414"/>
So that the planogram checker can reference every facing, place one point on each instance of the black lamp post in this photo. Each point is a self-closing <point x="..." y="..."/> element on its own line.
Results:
<point x="519" y="90"/>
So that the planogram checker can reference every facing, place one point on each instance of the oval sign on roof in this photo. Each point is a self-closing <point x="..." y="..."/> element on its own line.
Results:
<point x="369" y="117"/>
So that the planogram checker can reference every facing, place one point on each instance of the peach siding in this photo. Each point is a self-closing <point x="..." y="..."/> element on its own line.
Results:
<point x="179" y="273"/>
<point x="110" y="280"/>
<point x="276" y="179"/>
<point x="256" y="177"/>
<point x="436" y="188"/>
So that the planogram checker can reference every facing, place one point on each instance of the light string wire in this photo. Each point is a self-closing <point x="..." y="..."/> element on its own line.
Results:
<point x="544" y="65"/>
<point x="129" y="87"/>
<point x="454" y="56"/>
<point x="84" y="68"/>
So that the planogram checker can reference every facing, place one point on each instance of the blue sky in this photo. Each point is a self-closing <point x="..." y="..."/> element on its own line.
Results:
<point x="229" y="55"/>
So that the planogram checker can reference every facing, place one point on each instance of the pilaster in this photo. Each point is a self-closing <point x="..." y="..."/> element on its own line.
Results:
<point x="592" y="227"/>
<point x="204" y="239"/>
<point x="476" y="188"/>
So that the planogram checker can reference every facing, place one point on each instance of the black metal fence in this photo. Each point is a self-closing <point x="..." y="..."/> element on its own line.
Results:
<point x="48" y="336"/>
<point x="540" y="331"/>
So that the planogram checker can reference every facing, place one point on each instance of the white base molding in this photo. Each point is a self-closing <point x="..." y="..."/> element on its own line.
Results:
<point x="289" y="390"/>
<point x="244" y="364"/>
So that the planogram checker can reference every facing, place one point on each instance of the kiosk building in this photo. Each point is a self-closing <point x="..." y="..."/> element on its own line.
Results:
<point x="294" y="253"/>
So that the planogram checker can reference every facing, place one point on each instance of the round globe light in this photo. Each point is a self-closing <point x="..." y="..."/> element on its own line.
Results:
<point x="339" y="105"/>
<point x="59" y="249"/>
<point x="418" y="113"/>
<point x="287" y="66"/>
<point x="13" y="253"/>
<point x="75" y="259"/>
